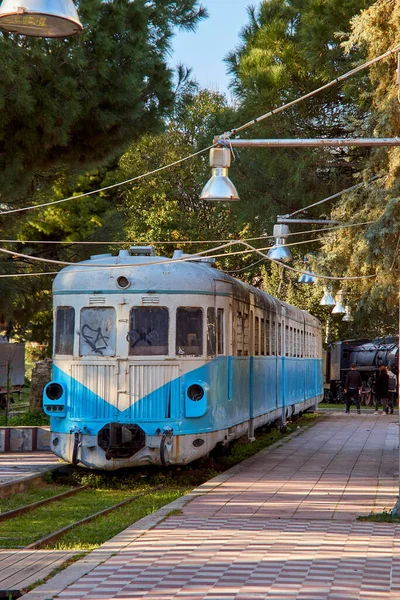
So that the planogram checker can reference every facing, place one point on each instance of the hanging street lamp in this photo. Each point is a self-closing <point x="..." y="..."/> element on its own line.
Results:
<point x="40" y="18"/>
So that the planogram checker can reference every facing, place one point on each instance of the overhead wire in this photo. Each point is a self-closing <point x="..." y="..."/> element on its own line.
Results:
<point x="204" y="254"/>
<point x="181" y="242"/>
<point x="337" y="195"/>
<point x="224" y="136"/>
<point x="108" y="187"/>
<point x="314" y="92"/>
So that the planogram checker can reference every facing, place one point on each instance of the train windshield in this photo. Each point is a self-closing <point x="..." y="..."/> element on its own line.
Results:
<point x="148" y="331"/>
<point x="65" y="325"/>
<point x="189" y="331"/>
<point x="97" y="334"/>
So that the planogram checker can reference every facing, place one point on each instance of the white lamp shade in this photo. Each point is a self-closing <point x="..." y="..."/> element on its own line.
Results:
<point x="219" y="188"/>
<point x="327" y="298"/>
<point x="307" y="277"/>
<point x="280" y="252"/>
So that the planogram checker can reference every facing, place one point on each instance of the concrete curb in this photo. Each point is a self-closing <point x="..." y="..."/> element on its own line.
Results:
<point x="25" y="482"/>
<point x="122" y="540"/>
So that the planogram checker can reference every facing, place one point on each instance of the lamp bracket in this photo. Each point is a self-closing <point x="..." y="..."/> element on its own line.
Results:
<point x="285" y="219"/>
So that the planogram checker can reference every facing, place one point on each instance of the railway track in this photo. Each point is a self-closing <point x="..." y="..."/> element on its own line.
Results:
<point x="55" y="535"/>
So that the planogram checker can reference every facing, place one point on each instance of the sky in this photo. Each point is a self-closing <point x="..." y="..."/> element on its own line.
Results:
<point x="214" y="38"/>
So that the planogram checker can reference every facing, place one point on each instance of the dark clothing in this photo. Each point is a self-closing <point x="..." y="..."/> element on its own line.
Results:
<point x="353" y="380"/>
<point x="352" y="384"/>
<point x="382" y="384"/>
<point x="382" y="391"/>
<point x="352" y="394"/>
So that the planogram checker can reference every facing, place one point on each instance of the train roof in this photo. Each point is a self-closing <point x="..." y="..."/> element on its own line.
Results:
<point x="148" y="273"/>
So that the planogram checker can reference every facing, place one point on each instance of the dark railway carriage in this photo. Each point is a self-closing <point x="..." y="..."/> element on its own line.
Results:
<point x="156" y="361"/>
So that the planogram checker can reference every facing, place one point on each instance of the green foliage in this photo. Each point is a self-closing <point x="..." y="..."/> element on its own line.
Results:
<point x="29" y="419"/>
<point x="76" y="102"/>
<point x="165" y="206"/>
<point x="373" y="250"/>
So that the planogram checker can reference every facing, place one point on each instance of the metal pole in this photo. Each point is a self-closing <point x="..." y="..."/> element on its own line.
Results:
<point x="306" y="221"/>
<point x="8" y="390"/>
<point x="307" y="143"/>
<point x="396" y="508"/>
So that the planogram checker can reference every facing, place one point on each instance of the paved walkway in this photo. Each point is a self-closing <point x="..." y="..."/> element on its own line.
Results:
<point x="15" y="466"/>
<point x="281" y="526"/>
<point x="20" y="471"/>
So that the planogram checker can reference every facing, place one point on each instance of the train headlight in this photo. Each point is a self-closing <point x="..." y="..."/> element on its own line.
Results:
<point x="54" y="391"/>
<point x="54" y="399"/>
<point x="195" y="392"/>
<point x="196" y="399"/>
<point x="123" y="282"/>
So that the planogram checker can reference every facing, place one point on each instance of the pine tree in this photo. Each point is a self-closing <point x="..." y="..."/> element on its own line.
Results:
<point x="75" y="103"/>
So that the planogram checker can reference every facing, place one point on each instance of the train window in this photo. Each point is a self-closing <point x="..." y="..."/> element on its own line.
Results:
<point x="148" y="331"/>
<point x="256" y="336"/>
<point x="273" y="339"/>
<point x="97" y="332"/>
<point x="65" y="327"/>
<point x="220" y="330"/>
<point x="211" y="332"/>
<point x="267" y="341"/>
<point x="287" y="340"/>
<point x="189" y="331"/>
<point x="302" y="344"/>
<point x="279" y="348"/>
<point x="239" y="334"/>
<point x="246" y="335"/>
<point x="262" y="338"/>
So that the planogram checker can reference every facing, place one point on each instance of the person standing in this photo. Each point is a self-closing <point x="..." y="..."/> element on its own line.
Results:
<point x="382" y="390"/>
<point x="352" y="388"/>
<point x="392" y="389"/>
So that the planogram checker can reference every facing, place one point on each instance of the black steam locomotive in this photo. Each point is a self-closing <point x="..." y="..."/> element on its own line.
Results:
<point x="368" y="355"/>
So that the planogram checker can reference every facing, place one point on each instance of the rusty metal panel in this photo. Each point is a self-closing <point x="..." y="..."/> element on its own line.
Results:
<point x="154" y="392"/>
<point x="93" y="391"/>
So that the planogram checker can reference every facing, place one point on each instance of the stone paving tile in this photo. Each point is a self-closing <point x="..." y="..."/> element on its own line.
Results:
<point x="282" y="529"/>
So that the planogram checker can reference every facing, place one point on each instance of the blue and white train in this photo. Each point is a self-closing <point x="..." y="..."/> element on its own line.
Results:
<point x="157" y="360"/>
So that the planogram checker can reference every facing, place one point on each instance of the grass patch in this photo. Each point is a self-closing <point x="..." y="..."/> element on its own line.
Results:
<point x="90" y="536"/>
<point x="383" y="517"/>
<point x="33" y="495"/>
<point x="25" y="529"/>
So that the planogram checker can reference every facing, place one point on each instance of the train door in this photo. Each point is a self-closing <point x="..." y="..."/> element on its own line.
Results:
<point x="280" y="366"/>
<point x="225" y="334"/>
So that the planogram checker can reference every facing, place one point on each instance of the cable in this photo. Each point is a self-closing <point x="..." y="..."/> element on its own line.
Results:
<point x="176" y="242"/>
<point x="332" y="228"/>
<point x="349" y="189"/>
<point x="29" y="274"/>
<point x="304" y="272"/>
<point x="108" y="187"/>
<point x="245" y="268"/>
<point x="313" y="93"/>
<point x="194" y="256"/>
<point x="225" y="136"/>
<point x="167" y="261"/>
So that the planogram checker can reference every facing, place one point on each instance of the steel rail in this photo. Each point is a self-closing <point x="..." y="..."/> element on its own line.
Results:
<point x="10" y="514"/>
<point x="57" y="534"/>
